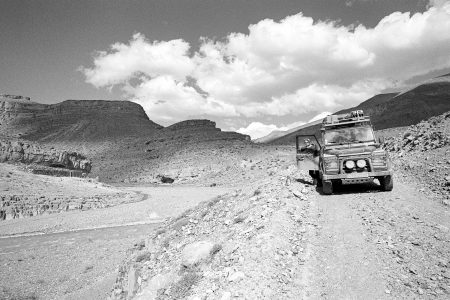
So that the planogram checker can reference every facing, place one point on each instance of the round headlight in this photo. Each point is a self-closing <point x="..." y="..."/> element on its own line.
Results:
<point x="349" y="164"/>
<point x="361" y="163"/>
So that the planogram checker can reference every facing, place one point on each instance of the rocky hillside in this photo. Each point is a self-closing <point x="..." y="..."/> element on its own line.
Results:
<point x="123" y="144"/>
<point x="173" y="151"/>
<point x="423" y="150"/>
<point x="420" y="103"/>
<point x="72" y="120"/>
<point x="429" y="99"/>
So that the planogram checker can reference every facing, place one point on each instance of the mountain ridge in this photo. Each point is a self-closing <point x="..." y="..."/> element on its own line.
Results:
<point x="390" y="110"/>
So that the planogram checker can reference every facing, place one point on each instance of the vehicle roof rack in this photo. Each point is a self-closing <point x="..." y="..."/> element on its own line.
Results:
<point x="352" y="117"/>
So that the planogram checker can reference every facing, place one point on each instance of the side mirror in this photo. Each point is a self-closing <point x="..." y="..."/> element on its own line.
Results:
<point x="381" y="139"/>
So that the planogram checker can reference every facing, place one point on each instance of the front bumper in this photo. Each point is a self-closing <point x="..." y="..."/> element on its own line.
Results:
<point x="357" y="177"/>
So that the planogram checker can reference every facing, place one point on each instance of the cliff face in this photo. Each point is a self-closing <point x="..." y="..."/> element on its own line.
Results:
<point x="72" y="120"/>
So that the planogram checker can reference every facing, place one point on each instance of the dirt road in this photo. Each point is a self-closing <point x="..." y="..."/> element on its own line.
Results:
<point x="367" y="244"/>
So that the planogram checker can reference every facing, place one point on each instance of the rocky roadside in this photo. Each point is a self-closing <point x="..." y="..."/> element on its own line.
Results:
<point x="246" y="244"/>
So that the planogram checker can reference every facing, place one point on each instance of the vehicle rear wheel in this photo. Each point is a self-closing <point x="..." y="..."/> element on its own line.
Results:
<point x="327" y="187"/>
<point x="386" y="183"/>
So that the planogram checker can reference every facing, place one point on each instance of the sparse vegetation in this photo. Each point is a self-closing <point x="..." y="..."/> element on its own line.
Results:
<point x="143" y="256"/>
<point x="182" y="288"/>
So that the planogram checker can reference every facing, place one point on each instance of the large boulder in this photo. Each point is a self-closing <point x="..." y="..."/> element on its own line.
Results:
<point x="196" y="252"/>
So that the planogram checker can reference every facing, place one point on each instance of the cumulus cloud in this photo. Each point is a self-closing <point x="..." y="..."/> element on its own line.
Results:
<point x="139" y="56"/>
<point x="280" y="68"/>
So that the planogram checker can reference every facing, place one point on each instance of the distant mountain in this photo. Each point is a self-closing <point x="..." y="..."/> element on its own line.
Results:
<point x="271" y="136"/>
<point x="426" y="100"/>
<point x="196" y="130"/>
<point x="278" y="134"/>
<point x="72" y="120"/>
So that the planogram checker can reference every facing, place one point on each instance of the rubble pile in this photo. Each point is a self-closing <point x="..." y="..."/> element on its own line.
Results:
<point x="427" y="135"/>
<point x="246" y="244"/>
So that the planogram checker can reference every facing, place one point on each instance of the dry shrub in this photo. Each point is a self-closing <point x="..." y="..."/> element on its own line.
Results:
<point x="182" y="288"/>
<point x="145" y="256"/>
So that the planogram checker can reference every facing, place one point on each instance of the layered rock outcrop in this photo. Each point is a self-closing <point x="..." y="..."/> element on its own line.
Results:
<point x="23" y="206"/>
<point x="31" y="153"/>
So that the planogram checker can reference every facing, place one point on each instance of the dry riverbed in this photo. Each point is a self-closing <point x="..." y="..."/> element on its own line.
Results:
<point x="74" y="255"/>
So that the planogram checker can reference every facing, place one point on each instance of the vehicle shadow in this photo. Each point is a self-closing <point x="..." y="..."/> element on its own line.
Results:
<point x="342" y="189"/>
<point x="308" y="182"/>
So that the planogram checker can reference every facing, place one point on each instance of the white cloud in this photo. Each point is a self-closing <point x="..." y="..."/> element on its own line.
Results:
<point x="285" y="68"/>
<point x="169" y="100"/>
<point x="140" y="56"/>
<point x="257" y="129"/>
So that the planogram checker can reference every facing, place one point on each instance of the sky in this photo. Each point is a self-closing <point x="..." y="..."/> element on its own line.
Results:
<point x="252" y="66"/>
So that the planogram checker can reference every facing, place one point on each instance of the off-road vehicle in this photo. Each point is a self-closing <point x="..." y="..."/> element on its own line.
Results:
<point x="347" y="153"/>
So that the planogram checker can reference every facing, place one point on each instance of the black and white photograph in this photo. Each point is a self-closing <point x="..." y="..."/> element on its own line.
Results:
<point x="224" y="149"/>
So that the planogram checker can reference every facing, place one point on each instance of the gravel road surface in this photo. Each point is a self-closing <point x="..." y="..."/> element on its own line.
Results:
<point x="367" y="244"/>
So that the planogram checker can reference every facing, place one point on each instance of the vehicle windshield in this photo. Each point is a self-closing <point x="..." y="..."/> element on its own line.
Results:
<point x="349" y="135"/>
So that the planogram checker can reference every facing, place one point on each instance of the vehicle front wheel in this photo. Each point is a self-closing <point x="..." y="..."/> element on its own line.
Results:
<point x="327" y="187"/>
<point x="386" y="183"/>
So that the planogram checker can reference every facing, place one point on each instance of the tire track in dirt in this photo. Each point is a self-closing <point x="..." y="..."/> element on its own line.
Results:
<point x="340" y="262"/>
<point x="367" y="244"/>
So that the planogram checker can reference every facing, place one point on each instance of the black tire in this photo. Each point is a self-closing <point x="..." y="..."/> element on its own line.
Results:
<point x="319" y="182"/>
<point x="386" y="183"/>
<point x="337" y="184"/>
<point x="327" y="187"/>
